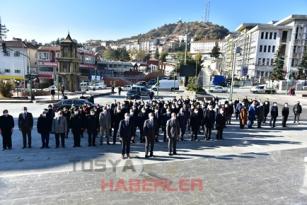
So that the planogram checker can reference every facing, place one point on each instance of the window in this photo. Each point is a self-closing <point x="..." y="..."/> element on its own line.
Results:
<point x="16" y="53"/>
<point x="263" y="61"/>
<point x="275" y="35"/>
<point x="262" y="35"/>
<point x="269" y="49"/>
<point x="273" y="49"/>
<point x="266" y="35"/>
<point x="271" y="35"/>
<point x="294" y="49"/>
<point x="7" y="70"/>
<point x="46" y="69"/>
<point x="17" y="71"/>
<point x="259" y="61"/>
<point x="267" y="61"/>
<point x="264" y="49"/>
<point x="272" y="61"/>
<point x="260" y="48"/>
<point x="43" y="56"/>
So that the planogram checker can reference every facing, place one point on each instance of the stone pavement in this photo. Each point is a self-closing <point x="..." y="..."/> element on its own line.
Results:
<point x="251" y="166"/>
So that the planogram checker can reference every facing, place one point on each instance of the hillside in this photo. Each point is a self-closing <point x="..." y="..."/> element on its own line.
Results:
<point x="196" y="30"/>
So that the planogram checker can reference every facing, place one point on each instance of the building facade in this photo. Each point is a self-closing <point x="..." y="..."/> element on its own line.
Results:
<point x="259" y="44"/>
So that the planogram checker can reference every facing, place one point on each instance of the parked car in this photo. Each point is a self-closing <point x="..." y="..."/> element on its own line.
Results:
<point x="52" y="87"/>
<point x="262" y="89"/>
<point x="142" y="91"/>
<point x="69" y="102"/>
<point x="218" y="89"/>
<point x="133" y="95"/>
<point x="203" y="96"/>
<point x="166" y="85"/>
<point x="141" y="83"/>
<point x="126" y="87"/>
<point x="97" y="86"/>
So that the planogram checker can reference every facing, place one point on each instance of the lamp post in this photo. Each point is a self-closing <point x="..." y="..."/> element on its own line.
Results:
<point x="237" y="50"/>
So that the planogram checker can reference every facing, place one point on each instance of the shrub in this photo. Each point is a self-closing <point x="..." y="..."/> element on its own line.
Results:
<point x="6" y="88"/>
<point x="193" y="85"/>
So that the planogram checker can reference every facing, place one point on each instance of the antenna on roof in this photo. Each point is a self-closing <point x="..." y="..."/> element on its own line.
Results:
<point x="207" y="11"/>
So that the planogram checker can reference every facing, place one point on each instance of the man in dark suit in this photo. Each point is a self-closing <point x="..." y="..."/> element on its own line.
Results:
<point x="125" y="133"/>
<point x="209" y="122"/>
<point x="149" y="133"/>
<point x="25" y="124"/>
<point x="172" y="133"/>
<point x="6" y="127"/>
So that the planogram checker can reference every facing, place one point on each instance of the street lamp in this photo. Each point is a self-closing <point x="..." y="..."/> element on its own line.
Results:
<point x="237" y="50"/>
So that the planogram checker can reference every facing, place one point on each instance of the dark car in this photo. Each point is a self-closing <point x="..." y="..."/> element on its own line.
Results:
<point x="133" y="95"/>
<point x="68" y="103"/>
<point x="141" y="83"/>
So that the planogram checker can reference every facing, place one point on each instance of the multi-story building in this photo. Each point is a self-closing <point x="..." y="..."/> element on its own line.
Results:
<point x="48" y="63"/>
<point x="205" y="46"/>
<point x="260" y="43"/>
<point x="18" y="61"/>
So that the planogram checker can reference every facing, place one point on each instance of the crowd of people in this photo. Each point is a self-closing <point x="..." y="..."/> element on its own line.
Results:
<point x="120" y="122"/>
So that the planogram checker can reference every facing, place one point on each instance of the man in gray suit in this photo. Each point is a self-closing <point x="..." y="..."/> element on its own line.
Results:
<point x="59" y="128"/>
<point x="172" y="133"/>
<point x="149" y="133"/>
<point x="105" y="124"/>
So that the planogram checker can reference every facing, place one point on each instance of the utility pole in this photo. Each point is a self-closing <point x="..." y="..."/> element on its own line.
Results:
<point x="237" y="50"/>
<point x="186" y="46"/>
<point x="207" y="11"/>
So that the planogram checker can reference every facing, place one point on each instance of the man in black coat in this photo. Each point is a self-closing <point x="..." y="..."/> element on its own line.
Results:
<point x="92" y="126"/>
<point x="149" y="133"/>
<point x="220" y="124"/>
<point x="166" y="116"/>
<point x="183" y="121"/>
<point x="142" y="116"/>
<point x="209" y="121"/>
<point x="266" y="108"/>
<point x="76" y="124"/>
<point x="25" y="124"/>
<point x="195" y="124"/>
<point x="274" y="114"/>
<point x="44" y="128"/>
<point x="125" y="134"/>
<point x="6" y="128"/>
<point x="173" y="133"/>
<point x="285" y="114"/>
<point x="297" y="110"/>
<point x="260" y="114"/>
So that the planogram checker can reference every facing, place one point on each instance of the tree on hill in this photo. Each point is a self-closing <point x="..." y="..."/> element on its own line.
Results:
<point x="162" y="58"/>
<point x="157" y="55"/>
<point x="119" y="54"/>
<point x="215" y="53"/>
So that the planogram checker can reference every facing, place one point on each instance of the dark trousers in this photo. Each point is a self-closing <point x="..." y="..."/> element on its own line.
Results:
<point x="297" y="118"/>
<point x="7" y="140"/>
<point x="259" y="121"/>
<point x="57" y="139"/>
<point x="77" y="138"/>
<point x="208" y="133"/>
<point x="126" y="147"/>
<point x="26" y="136"/>
<point x="219" y="133"/>
<point x="273" y="120"/>
<point x="115" y="134"/>
<point x="92" y="138"/>
<point x="284" y="121"/>
<point x="265" y="118"/>
<point x="172" y="142"/>
<point x="195" y="131"/>
<point x="164" y="132"/>
<point x="45" y="140"/>
<point x="141" y="134"/>
<point x="183" y="128"/>
<point x="149" y="145"/>
<point x="237" y="115"/>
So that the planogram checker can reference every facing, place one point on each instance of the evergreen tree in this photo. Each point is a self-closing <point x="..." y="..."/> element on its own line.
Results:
<point x="215" y="53"/>
<point x="157" y="55"/>
<point x="303" y="66"/>
<point x="278" y="72"/>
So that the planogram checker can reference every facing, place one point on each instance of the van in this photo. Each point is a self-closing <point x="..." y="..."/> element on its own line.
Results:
<point x="166" y="85"/>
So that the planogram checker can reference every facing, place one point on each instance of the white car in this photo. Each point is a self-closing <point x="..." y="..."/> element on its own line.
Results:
<point x="258" y="89"/>
<point x="218" y="89"/>
<point x="97" y="86"/>
<point x="52" y="87"/>
<point x="126" y="87"/>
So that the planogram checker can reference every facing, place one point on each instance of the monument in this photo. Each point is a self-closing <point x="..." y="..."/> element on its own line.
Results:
<point x="69" y="70"/>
